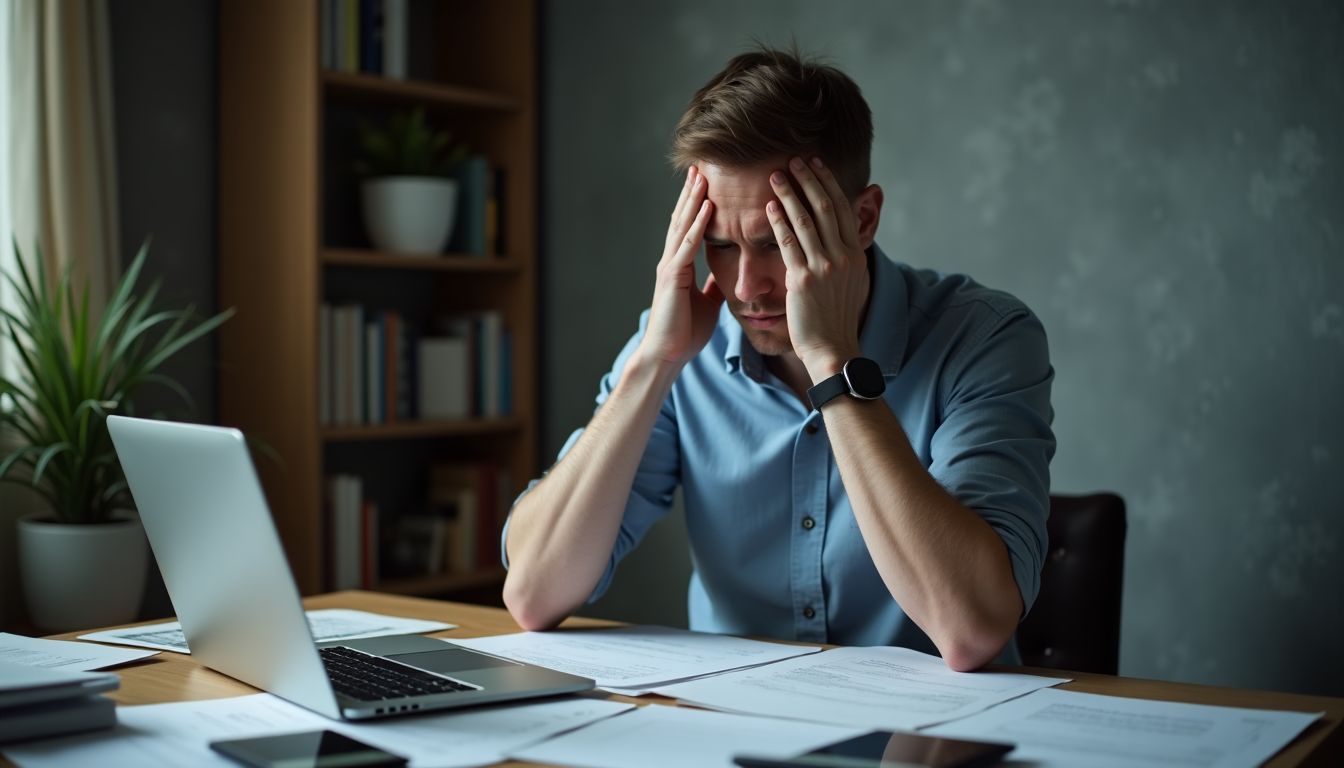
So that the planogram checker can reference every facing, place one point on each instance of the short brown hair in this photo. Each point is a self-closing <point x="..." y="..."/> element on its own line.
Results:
<point x="768" y="104"/>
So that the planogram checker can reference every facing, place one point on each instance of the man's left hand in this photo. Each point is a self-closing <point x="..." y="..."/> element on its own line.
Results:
<point x="827" y="278"/>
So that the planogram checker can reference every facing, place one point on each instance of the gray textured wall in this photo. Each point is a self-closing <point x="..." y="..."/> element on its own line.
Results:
<point x="1160" y="181"/>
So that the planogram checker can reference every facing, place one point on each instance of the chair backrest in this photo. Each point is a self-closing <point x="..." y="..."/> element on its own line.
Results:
<point x="1075" y="621"/>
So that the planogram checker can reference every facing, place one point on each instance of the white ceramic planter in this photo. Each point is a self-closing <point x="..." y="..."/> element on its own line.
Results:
<point x="409" y="214"/>
<point x="82" y="576"/>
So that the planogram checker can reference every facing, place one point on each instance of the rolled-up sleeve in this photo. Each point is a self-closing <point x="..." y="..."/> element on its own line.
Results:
<point x="655" y="479"/>
<point x="993" y="447"/>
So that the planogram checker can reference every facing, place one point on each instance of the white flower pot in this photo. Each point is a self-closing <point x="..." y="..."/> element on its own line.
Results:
<point x="82" y="576"/>
<point x="409" y="214"/>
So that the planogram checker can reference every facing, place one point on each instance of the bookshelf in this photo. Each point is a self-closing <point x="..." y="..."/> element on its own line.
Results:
<point x="290" y="241"/>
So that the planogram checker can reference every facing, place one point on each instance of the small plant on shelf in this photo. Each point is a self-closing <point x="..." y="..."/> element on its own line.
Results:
<point x="409" y="201"/>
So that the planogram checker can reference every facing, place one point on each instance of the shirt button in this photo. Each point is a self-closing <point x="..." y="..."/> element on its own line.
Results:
<point x="809" y="613"/>
<point x="811" y="429"/>
<point x="809" y="523"/>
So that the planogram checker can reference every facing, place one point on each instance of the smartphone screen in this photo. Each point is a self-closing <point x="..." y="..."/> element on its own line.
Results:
<point x="885" y="749"/>
<point x="314" y="749"/>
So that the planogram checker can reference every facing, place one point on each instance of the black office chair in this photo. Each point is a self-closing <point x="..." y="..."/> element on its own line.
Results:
<point x="1075" y="622"/>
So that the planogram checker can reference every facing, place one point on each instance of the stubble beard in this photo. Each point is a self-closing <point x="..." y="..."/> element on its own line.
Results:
<point x="768" y="343"/>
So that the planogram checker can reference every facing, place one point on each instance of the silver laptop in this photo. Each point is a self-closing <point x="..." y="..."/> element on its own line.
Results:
<point x="212" y="534"/>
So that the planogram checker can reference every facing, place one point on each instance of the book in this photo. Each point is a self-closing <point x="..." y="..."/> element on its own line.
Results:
<point x="472" y="187"/>
<point x="444" y="377"/>
<point x="371" y="37"/>
<point x="370" y="541"/>
<point x="346" y="493"/>
<point x="325" y="396"/>
<point x="57" y="718"/>
<point x="391" y="363"/>
<point x="349" y="42"/>
<point x="394" y="39"/>
<point x="374" y="377"/>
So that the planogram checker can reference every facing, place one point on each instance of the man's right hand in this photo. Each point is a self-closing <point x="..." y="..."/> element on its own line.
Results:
<point x="683" y="315"/>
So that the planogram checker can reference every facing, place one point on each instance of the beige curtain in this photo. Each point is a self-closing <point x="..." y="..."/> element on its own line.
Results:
<point x="63" y="177"/>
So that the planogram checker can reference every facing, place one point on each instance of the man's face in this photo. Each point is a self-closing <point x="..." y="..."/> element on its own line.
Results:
<point x="741" y="251"/>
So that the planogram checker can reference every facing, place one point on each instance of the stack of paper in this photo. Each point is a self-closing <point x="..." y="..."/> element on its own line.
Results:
<point x="881" y="687"/>
<point x="328" y="624"/>
<point x="634" y="660"/>
<point x="655" y="736"/>
<point x="40" y="701"/>
<point x="1085" y="730"/>
<point x="62" y="654"/>
<point x="171" y="735"/>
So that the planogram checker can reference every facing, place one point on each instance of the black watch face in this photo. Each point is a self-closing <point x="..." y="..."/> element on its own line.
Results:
<point x="865" y="378"/>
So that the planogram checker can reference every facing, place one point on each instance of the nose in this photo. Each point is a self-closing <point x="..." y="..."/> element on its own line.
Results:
<point x="753" y="277"/>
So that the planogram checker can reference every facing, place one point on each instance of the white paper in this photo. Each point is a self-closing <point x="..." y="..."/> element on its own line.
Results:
<point x="880" y="687"/>
<point x="626" y="658"/>
<point x="179" y="734"/>
<point x="1066" y="728"/>
<point x="63" y="654"/>
<point x="327" y="624"/>
<point x="655" y="736"/>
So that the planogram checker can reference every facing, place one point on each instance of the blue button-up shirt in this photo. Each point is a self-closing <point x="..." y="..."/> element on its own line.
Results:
<point x="776" y="549"/>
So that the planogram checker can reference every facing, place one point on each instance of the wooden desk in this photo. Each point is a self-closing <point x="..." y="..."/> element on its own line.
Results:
<point x="173" y="677"/>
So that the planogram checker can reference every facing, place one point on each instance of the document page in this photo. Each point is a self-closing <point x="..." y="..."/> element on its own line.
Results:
<point x="63" y="654"/>
<point x="327" y="624"/>
<point x="179" y="734"/>
<point x="671" y="737"/>
<point x="628" y="659"/>
<point x="1065" y="728"/>
<point x="879" y="687"/>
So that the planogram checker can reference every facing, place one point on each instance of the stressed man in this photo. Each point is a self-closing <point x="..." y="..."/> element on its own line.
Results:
<point x="863" y="447"/>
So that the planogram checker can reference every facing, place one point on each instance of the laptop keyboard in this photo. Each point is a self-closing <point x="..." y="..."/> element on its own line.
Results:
<point x="373" y="678"/>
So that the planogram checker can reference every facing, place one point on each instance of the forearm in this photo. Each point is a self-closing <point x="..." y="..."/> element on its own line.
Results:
<point x="943" y="564"/>
<point x="561" y="534"/>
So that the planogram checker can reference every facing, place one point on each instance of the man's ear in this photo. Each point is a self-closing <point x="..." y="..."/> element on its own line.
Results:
<point x="868" y="208"/>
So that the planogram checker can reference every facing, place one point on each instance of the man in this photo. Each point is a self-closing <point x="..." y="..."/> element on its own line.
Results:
<point x="863" y="448"/>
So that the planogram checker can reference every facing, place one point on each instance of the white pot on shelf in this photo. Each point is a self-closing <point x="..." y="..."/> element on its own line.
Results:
<point x="411" y="215"/>
<point x="82" y="576"/>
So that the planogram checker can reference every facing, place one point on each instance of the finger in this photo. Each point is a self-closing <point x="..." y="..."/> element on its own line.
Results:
<point x="789" y="247"/>
<point x="690" y="241"/>
<point x="823" y="207"/>
<point x="683" y="214"/>
<point x="802" y="224"/>
<point x="845" y="219"/>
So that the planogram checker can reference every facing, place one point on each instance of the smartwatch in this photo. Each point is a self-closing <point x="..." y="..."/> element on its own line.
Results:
<point x="861" y="378"/>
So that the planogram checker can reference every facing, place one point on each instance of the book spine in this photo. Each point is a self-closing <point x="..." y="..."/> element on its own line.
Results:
<point x="373" y="370"/>
<point x="394" y="39"/>
<point x="324" y="364"/>
<point x="356" y="370"/>
<point x="350" y="42"/>
<point x="371" y="37"/>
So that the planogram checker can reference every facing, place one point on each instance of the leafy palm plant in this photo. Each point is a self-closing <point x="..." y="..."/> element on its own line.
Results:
<point x="71" y="374"/>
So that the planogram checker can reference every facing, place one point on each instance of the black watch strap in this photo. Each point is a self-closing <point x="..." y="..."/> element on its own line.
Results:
<point x="860" y="378"/>
<point x="827" y="390"/>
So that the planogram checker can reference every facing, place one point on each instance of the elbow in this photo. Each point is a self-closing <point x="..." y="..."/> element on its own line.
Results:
<point x="972" y="647"/>
<point x="527" y="607"/>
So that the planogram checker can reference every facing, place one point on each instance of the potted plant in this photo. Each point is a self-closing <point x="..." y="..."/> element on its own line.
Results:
<point x="83" y="559"/>
<point x="409" y="201"/>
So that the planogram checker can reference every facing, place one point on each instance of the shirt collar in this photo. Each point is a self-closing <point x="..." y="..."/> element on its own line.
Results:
<point x="882" y="338"/>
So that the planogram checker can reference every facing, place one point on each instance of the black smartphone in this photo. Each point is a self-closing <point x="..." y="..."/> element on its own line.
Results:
<point x="313" y="749"/>
<point x="885" y="749"/>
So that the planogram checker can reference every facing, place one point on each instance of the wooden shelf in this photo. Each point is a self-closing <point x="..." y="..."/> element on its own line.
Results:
<point x="374" y="88"/>
<point x="443" y="583"/>
<point x="416" y="429"/>
<point x="286" y="138"/>
<point x="444" y="262"/>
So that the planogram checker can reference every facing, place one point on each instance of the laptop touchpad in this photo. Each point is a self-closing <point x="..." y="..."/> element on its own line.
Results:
<point x="449" y="661"/>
